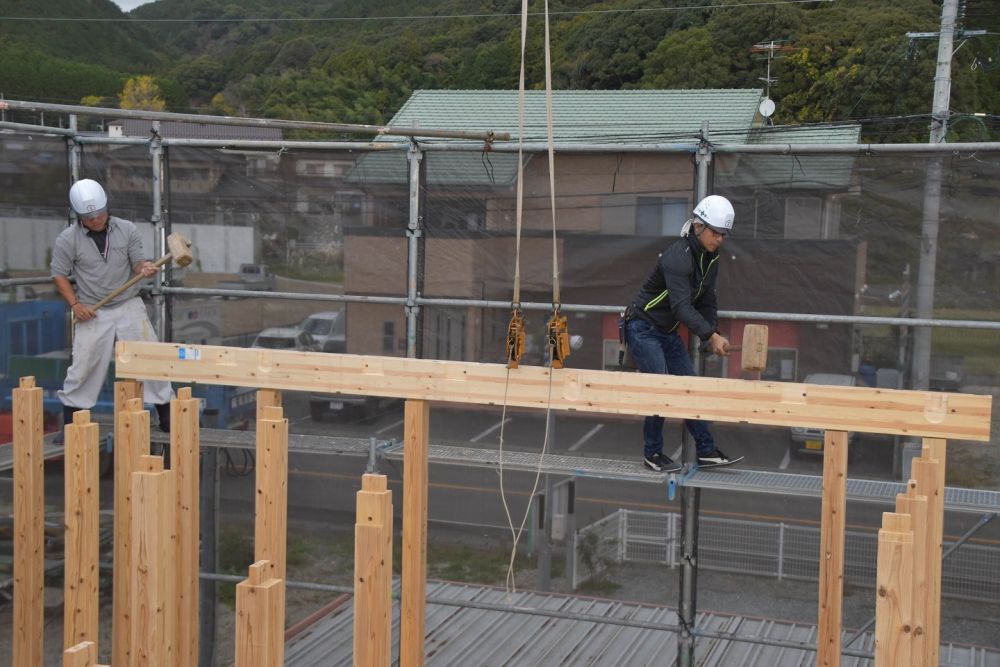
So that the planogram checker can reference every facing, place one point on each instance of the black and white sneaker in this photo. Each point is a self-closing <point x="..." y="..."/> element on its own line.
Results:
<point x="661" y="463"/>
<point x="716" y="459"/>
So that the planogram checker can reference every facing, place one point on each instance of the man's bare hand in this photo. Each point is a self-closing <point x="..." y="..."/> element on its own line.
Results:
<point x="147" y="269"/>
<point x="83" y="312"/>
<point x="718" y="345"/>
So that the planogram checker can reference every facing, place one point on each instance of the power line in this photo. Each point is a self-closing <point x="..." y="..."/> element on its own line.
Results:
<point x="415" y="17"/>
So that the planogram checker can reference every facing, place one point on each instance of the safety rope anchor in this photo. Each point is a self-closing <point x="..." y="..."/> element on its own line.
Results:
<point x="558" y="338"/>
<point x="515" y="338"/>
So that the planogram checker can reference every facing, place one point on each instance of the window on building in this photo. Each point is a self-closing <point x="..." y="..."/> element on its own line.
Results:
<point x="660" y="216"/>
<point x="389" y="337"/>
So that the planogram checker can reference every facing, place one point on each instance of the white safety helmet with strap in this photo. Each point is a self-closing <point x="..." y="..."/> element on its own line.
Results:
<point x="716" y="212"/>
<point x="87" y="198"/>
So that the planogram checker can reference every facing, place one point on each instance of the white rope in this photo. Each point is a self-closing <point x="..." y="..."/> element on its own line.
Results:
<point x="511" y="583"/>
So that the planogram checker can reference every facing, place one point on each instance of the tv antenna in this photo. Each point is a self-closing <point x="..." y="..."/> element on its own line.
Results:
<point x="772" y="49"/>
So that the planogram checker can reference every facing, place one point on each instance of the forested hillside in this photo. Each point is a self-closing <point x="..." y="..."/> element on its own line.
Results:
<point x="358" y="60"/>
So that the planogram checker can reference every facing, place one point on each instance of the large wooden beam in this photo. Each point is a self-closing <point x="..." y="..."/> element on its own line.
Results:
<point x="862" y="409"/>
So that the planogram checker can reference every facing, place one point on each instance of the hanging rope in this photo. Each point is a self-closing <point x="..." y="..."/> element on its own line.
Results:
<point x="556" y="332"/>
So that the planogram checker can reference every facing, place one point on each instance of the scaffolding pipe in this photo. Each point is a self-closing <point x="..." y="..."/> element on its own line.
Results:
<point x="159" y="236"/>
<point x="413" y="234"/>
<point x="381" y="130"/>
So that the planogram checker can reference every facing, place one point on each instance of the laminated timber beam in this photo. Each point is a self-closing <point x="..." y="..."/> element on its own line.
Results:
<point x="862" y="409"/>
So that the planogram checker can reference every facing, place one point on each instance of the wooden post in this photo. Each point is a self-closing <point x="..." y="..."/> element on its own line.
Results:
<point x="129" y="445"/>
<point x="185" y="450"/>
<point x="928" y="472"/>
<point x="916" y="508"/>
<point x="267" y="398"/>
<point x="893" y="599"/>
<point x="271" y="515"/>
<point x="831" y="549"/>
<point x="81" y="582"/>
<point x="29" y="526"/>
<point x="416" y="430"/>
<point x="260" y="625"/>
<point x="373" y="574"/>
<point x="154" y="556"/>
<point x="83" y="654"/>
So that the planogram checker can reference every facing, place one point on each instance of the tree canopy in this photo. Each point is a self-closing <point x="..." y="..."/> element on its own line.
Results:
<point x="359" y="60"/>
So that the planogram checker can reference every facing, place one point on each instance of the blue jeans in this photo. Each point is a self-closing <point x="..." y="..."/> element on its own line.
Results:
<point x="657" y="352"/>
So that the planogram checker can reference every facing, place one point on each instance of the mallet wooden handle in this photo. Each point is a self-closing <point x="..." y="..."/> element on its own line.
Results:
<point x="132" y="281"/>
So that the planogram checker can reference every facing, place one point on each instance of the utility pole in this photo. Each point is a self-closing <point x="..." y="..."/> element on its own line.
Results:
<point x="921" y="363"/>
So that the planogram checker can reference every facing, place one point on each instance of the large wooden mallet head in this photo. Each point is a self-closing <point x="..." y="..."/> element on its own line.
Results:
<point x="179" y="251"/>
<point x="753" y="352"/>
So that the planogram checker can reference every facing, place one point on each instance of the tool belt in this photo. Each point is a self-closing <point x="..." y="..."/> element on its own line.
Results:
<point x="625" y="361"/>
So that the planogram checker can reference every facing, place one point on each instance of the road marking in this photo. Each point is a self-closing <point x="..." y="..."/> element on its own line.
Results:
<point x="490" y="430"/>
<point x="787" y="458"/>
<point x="389" y="427"/>
<point x="587" y="436"/>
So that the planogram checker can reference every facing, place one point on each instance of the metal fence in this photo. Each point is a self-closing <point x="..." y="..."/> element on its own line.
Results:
<point x="780" y="550"/>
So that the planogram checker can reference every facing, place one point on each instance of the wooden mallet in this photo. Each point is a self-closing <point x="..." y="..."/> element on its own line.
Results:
<point x="180" y="253"/>
<point x="753" y="357"/>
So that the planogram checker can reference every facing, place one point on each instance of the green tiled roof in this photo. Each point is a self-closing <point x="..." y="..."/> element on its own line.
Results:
<point x="806" y="134"/>
<point x="605" y="116"/>
<point x="792" y="172"/>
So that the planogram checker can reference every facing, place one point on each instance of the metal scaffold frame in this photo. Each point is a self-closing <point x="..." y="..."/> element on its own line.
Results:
<point x="414" y="145"/>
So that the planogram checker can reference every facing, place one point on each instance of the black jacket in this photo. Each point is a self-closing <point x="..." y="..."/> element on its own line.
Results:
<point x="681" y="289"/>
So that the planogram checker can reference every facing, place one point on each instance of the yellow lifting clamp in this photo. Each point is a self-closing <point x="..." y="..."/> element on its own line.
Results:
<point x="558" y="337"/>
<point x="515" y="339"/>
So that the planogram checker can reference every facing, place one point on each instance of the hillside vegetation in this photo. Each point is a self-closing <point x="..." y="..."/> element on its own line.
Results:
<point x="358" y="60"/>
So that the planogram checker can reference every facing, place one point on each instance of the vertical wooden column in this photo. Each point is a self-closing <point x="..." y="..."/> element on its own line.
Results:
<point x="928" y="472"/>
<point x="831" y="549"/>
<point x="128" y="447"/>
<point x="82" y="576"/>
<point x="83" y="654"/>
<point x="260" y="625"/>
<point x="184" y="450"/>
<point x="154" y="558"/>
<point x="29" y="526"/>
<point x="893" y="598"/>
<point x="373" y="574"/>
<point x="271" y="516"/>
<point x="916" y="508"/>
<point x="416" y="431"/>
<point x="267" y="398"/>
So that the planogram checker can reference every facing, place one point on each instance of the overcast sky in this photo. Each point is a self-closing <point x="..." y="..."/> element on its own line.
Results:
<point x="126" y="5"/>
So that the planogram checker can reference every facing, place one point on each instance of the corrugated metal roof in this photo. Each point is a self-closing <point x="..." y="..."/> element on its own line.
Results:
<point x="464" y="636"/>
<point x="588" y="115"/>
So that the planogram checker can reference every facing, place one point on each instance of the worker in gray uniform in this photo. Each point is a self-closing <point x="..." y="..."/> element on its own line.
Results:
<point x="101" y="253"/>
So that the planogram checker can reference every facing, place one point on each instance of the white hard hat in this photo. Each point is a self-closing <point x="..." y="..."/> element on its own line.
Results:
<point x="87" y="198"/>
<point x="716" y="212"/>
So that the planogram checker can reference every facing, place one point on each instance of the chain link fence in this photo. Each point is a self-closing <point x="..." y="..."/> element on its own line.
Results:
<point x="780" y="550"/>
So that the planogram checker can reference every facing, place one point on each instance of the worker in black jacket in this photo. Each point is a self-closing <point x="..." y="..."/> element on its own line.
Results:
<point x="681" y="290"/>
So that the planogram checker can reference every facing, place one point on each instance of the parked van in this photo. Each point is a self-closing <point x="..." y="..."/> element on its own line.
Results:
<point x="328" y="329"/>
